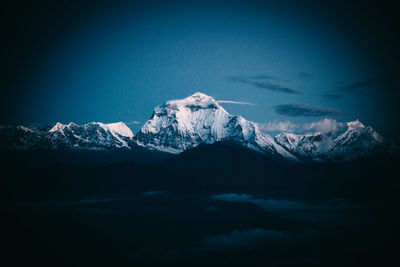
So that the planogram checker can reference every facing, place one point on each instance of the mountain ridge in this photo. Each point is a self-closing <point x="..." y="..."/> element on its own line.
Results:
<point x="180" y="125"/>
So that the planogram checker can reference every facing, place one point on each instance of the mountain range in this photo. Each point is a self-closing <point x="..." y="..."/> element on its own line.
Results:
<point x="179" y="125"/>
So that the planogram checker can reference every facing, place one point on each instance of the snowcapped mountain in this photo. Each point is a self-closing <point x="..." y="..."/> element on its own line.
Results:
<point x="94" y="135"/>
<point x="350" y="141"/>
<point x="178" y="125"/>
<point x="22" y="138"/>
<point x="91" y="136"/>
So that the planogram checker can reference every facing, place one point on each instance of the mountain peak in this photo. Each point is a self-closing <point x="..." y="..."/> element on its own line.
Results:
<point x="182" y="124"/>
<point x="355" y="124"/>
<point x="118" y="128"/>
<point x="193" y="102"/>
<point x="57" y="127"/>
<point x="199" y="95"/>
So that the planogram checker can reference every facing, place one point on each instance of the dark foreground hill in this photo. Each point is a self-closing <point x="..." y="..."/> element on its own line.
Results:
<point x="217" y="204"/>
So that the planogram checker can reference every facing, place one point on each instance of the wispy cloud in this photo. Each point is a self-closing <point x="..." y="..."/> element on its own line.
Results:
<point x="278" y="126"/>
<point x="271" y="205"/>
<point x="132" y="122"/>
<point x="276" y="87"/>
<point x="333" y="95"/>
<point x="325" y="126"/>
<point x="258" y="81"/>
<point x="341" y="88"/>
<point x="351" y="87"/>
<point x="235" y="102"/>
<point x="253" y="238"/>
<point x="233" y="197"/>
<point x="300" y="110"/>
<point x="153" y="193"/>
<point x="328" y="211"/>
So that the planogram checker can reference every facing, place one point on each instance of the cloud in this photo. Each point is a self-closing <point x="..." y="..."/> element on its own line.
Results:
<point x="281" y="205"/>
<point x="233" y="197"/>
<point x="333" y="95"/>
<point x="272" y="205"/>
<point x="253" y="238"/>
<point x="235" y="102"/>
<point x="342" y="87"/>
<point x="255" y="82"/>
<point x="276" y="87"/>
<point x="132" y="122"/>
<point x="325" y="126"/>
<point x="304" y="75"/>
<point x="353" y="86"/>
<point x="153" y="193"/>
<point x="330" y="212"/>
<point x="297" y="110"/>
<point x="278" y="126"/>
<point x="284" y="205"/>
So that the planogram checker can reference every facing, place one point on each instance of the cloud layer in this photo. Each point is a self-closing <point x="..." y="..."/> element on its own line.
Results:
<point x="252" y="238"/>
<point x="300" y="110"/>
<point x="325" y="125"/>
<point x="132" y="122"/>
<point x="259" y="82"/>
<point x="341" y="88"/>
<point x="351" y="87"/>
<point x="278" y="126"/>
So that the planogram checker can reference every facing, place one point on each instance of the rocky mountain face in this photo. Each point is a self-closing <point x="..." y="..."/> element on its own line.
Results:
<point x="179" y="125"/>
<point x="352" y="140"/>
<point x="92" y="136"/>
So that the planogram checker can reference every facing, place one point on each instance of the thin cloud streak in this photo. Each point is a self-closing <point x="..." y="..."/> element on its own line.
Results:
<point x="278" y="126"/>
<point x="235" y="102"/>
<point x="341" y="88"/>
<point x="276" y="87"/>
<point x="132" y="122"/>
<point x="353" y="86"/>
<point x="333" y="96"/>
<point x="301" y="110"/>
<point x="255" y="82"/>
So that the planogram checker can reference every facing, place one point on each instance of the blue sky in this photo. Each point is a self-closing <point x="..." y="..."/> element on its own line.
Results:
<point x="117" y="64"/>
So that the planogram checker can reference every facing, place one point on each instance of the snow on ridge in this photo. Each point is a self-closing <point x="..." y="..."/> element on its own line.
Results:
<point x="57" y="127"/>
<point x="182" y="124"/>
<point x="119" y="128"/>
<point x="178" y="125"/>
<point x="197" y="99"/>
<point x="351" y="141"/>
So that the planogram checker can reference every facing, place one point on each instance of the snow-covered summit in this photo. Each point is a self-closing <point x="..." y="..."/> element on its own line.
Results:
<point x="350" y="141"/>
<point x="178" y="125"/>
<point x="94" y="135"/>
<point x="182" y="124"/>
<point x="197" y="100"/>
<point x="119" y="128"/>
<point x="57" y="127"/>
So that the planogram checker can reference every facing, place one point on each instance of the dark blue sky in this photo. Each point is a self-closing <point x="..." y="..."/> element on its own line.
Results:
<point x="297" y="62"/>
